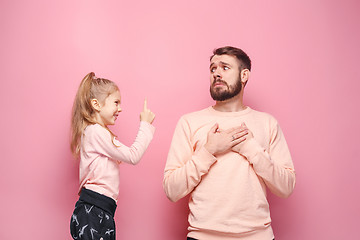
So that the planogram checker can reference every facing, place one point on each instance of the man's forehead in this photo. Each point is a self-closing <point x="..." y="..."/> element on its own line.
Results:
<point x="223" y="58"/>
<point x="227" y="59"/>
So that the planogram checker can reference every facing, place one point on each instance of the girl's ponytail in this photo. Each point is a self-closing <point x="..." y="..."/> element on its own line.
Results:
<point x="81" y="112"/>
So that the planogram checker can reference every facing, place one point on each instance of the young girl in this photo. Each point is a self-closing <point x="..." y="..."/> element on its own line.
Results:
<point x="97" y="105"/>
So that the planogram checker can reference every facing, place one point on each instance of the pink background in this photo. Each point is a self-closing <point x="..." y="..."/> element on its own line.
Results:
<point x="305" y="72"/>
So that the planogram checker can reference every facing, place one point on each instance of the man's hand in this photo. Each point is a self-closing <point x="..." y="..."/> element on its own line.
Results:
<point x="221" y="141"/>
<point x="238" y="147"/>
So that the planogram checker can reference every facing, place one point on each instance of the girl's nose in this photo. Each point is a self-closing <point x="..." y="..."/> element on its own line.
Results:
<point x="119" y="109"/>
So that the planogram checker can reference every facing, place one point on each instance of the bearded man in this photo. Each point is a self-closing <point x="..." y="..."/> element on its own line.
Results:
<point x="226" y="156"/>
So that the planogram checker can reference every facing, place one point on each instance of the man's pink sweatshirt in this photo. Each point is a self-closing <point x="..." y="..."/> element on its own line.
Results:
<point x="101" y="154"/>
<point x="228" y="192"/>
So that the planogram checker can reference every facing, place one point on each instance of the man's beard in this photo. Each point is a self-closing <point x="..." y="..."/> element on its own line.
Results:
<point x="221" y="95"/>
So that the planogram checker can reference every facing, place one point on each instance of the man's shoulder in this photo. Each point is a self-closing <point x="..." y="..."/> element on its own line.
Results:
<point x="261" y="113"/>
<point x="265" y="116"/>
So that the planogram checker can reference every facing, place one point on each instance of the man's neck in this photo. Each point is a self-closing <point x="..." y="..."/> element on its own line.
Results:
<point x="234" y="104"/>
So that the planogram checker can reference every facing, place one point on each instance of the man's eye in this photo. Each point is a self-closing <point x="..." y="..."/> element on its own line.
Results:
<point x="212" y="70"/>
<point x="226" y="68"/>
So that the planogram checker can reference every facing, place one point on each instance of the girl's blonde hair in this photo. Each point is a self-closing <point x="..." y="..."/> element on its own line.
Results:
<point x="90" y="88"/>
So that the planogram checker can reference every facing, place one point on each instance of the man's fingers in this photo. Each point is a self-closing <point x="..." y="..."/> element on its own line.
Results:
<point x="238" y="140"/>
<point x="239" y="135"/>
<point x="238" y="131"/>
<point x="214" y="128"/>
<point x="231" y="130"/>
<point x="234" y="130"/>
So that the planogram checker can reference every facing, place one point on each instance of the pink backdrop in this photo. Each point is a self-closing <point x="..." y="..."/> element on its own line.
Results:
<point x="305" y="73"/>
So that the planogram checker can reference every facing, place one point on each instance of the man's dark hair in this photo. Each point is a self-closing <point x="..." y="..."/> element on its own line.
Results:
<point x="244" y="59"/>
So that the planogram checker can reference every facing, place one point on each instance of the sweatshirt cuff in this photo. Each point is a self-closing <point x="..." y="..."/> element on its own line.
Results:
<point x="204" y="158"/>
<point x="250" y="149"/>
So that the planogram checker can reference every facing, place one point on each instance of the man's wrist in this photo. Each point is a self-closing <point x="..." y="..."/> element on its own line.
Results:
<point x="250" y="148"/>
<point x="209" y="149"/>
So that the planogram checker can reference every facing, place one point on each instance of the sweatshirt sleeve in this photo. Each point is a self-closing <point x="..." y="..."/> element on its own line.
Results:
<point x="103" y="144"/>
<point x="275" y="166"/>
<point x="184" y="167"/>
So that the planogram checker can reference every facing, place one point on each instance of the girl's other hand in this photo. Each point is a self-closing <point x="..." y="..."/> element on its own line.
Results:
<point x="147" y="115"/>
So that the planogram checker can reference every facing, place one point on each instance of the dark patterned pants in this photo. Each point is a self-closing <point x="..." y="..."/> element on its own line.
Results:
<point x="91" y="221"/>
<point x="189" y="238"/>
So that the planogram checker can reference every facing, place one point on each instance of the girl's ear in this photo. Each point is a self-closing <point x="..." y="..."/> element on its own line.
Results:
<point x="95" y="104"/>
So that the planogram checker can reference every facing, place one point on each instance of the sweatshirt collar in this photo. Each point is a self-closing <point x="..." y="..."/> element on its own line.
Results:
<point x="230" y="114"/>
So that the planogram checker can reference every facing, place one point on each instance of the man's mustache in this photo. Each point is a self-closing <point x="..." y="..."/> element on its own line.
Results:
<point x="219" y="81"/>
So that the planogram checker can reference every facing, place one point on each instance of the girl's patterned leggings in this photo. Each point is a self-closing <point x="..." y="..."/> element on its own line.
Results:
<point x="91" y="221"/>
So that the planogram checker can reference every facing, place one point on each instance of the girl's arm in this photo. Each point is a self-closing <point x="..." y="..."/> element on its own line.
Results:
<point x="101" y="141"/>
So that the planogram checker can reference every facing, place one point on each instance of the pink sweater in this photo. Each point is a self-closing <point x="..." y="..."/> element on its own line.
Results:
<point x="228" y="193"/>
<point x="100" y="158"/>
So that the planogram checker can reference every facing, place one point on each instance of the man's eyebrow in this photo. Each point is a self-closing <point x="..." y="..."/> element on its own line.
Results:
<point x="221" y="63"/>
<point x="224" y="63"/>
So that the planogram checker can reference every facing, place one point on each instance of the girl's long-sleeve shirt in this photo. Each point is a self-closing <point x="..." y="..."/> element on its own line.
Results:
<point x="101" y="154"/>
<point x="228" y="192"/>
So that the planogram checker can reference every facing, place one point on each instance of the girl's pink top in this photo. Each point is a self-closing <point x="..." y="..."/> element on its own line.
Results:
<point x="101" y="154"/>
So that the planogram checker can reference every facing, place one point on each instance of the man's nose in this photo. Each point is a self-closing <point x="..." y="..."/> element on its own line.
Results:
<point x="217" y="73"/>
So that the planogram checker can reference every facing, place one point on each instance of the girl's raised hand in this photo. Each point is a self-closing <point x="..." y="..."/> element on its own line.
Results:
<point x="147" y="115"/>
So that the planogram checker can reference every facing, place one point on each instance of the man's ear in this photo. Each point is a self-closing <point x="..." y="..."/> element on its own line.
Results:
<point x="244" y="76"/>
<point x="95" y="104"/>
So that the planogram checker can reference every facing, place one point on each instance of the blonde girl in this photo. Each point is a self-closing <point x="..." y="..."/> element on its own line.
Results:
<point x="97" y="105"/>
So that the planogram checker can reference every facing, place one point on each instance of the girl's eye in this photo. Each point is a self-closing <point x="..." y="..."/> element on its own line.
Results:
<point x="226" y="68"/>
